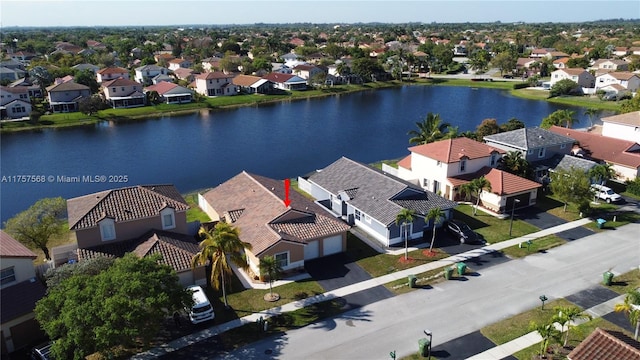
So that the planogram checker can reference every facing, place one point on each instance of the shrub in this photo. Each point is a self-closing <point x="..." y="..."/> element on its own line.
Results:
<point x="634" y="186"/>
<point x="520" y="86"/>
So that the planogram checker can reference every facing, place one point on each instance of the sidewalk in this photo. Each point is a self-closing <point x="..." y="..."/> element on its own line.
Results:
<point x="403" y="274"/>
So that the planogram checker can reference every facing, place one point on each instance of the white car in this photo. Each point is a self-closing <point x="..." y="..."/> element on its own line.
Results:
<point x="605" y="193"/>
<point x="201" y="309"/>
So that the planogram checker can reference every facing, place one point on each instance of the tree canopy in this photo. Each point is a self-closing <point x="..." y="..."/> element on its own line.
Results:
<point x="571" y="186"/>
<point x="429" y="130"/>
<point x="119" y="307"/>
<point x="564" y="118"/>
<point x="35" y="226"/>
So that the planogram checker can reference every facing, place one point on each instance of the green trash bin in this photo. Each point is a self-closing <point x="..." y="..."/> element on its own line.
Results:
<point x="423" y="347"/>
<point x="448" y="272"/>
<point x="462" y="268"/>
<point x="412" y="281"/>
<point x="607" y="277"/>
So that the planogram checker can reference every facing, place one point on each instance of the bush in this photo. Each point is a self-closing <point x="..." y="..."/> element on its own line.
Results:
<point x="634" y="186"/>
<point x="520" y="86"/>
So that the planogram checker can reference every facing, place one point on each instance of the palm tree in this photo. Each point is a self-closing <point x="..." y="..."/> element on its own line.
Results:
<point x="475" y="187"/>
<point x="404" y="217"/>
<point x="513" y="162"/>
<point x="565" y="316"/>
<point x="568" y="118"/>
<point x="270" y="266"/>
<point x="219" y="245"/>
<point x="547" y="332"/>
<point x="631" y="306"/>
<point x="429" y="130"/>
<point x="591" y="113"/>
<point x="601" y="173"/>
<point x="436" y="214"/>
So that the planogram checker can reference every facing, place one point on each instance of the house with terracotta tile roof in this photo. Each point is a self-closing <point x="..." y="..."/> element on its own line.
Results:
<point x="171" y="93"/>
<point x="622" y="155"/>
<point x="175" y="64"/>
<point x="143" y="219"/>
<point x="605" y="345"/>
<point x="286" y="81"/>
<point x="292" y="233"/>
<point x="443" y="166"/>
<point x="111" y="73"/>
<point x="66" y="96"/>
<point x="184" y="74"/>
<point x="215" y="83"/>
<point x="578" y="75"/>
<point x="622" y="126"/>
<point x="371" y="199"/>
<point x="20" y="292"/>
<point x="123" y="93"/>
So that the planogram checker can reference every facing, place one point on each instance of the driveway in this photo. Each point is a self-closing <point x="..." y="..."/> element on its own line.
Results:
<point x="449" y="244"/>
<point x="336" y="271"/>
<point x="544" y="220"/>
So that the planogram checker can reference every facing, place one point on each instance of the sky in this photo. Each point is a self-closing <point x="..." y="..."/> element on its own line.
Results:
<point x="222" y="12"/>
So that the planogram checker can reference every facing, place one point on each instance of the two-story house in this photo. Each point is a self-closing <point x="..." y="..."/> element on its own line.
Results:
<point x="578" y="75"/>
<point x="144" y="220"/>
<point x="444" y="166"/>
<point x="111" y="73"/>
<point x="123" y="93"/>
<point x="66" y="96"/>
<point x="175" y="64"/>
<point x="19" y="292"/>
<point x="292" y="232"/>
<point x="609" y="65"/>
<point x="371" y="199"/>
<point x="215" y="83"/>
<point x="145" y="74"/>
<point x="14" y="102"/>
<point x="618" y="81"/>
<point x="307" y="71"/>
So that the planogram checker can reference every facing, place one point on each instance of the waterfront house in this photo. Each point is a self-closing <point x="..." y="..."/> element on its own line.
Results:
<point x="14" y="102"/>
<point x="371" y="199"/>
<point x="20" y="290"/>
<point x="145" y="74"/>
<point x="66" y="96"/>
<point x="215" y="83"/>
<point x="111" y="73"/>
<point x="143" y="219"/>
<point x="578" y="75"/>
<point x="123" y="93"/>
<point x="171" y="93"/>
<point x="286" y="81"/>
<point x="627" y="80"/>
<point x="291" y="233"/>
<point x="307" y="71"/>
<point x="622" y="126"/>
<point x="249" y="84"/>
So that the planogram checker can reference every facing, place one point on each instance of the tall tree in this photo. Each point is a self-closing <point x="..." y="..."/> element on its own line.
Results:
<point x="564" y="118"/>
<point x="35" y="226"/>
<point x="405" y="217"/>
<point x="565" y="316"/>
<point x="88" y="78"/>
<point x="571" y="186"/>
<point x="271" y="267"/>
<point x="505" y="61"/>
<point x="437" y="215"/>
<point x="119" y="306"/>
<point x="631" y="306"/>
<point x="487" y="127"/>
<point x="601" y="173"/>
<point x="475" y="188"/>
<point x="591" y="113"/>
<point x="513" y="162"/>
<point x="429" y="130"/>
<point x="219" y="246"/>
<point x="512" y="124"/>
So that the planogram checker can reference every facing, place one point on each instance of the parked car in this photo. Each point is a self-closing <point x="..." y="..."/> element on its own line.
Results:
<point x="201" y="309"/>
<point x="41" y="352"/>
<point x="605" y="193"/>
<point x="463" y="232"/>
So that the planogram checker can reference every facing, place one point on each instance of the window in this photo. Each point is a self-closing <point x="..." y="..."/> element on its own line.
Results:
<point x="107" y="229"/>
<point x="114" y="89"/>
<point x="425" y="183"/>
<point x="357" y="214"/>
<point x="282" y="259"/>
<point x="530" y="152"/>
<point x="7" y="276"/>
<point x="494" y="158"/>
<point x="541" y="152"/>
<point x="168" y="218"/>
<point x="463" y="165"/>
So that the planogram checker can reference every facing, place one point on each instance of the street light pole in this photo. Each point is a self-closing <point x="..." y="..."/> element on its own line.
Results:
<point x="430" y="335"/>
<point x="513" y="209"/>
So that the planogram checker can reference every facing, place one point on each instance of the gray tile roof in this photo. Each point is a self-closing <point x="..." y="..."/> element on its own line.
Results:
<point x="566" y="162"/>
<point x="375" y="193"/>
<point x="528" y="138"/>
<point x="20" y="299"/>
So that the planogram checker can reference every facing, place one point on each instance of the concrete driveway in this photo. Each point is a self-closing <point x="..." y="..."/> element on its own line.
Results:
<point x="336" y="271"/>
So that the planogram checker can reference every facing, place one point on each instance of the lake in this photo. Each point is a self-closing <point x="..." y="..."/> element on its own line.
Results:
<point x="280" y="140"/>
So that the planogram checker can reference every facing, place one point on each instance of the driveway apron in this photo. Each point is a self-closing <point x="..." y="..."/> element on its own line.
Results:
<point x="463" y="347"/>
<point x="544" y="220"/>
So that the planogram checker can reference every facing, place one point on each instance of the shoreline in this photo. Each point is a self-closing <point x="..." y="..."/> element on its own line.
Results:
<point x="221" y="103"/>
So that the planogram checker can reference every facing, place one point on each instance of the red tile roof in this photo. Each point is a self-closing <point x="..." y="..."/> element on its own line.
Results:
<point x="119" y="82"/>
<point x="606" y="345"/>
<point x="161" y="87"/>
<point x="213" y="75"/>
<point x="502" y="182"/>
<point x="113" y="70"/>
<point x="405" y="163"/>
<point x="124" y="204"/>
<point x="452" y="150"/>
<point x="623" y="152"/>
<point x="10" y="247"/>
<point x="278" y="77"/>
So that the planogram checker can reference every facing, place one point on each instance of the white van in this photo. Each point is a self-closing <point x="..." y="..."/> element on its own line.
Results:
<point x="605" y="193"/>
<point x="202" y="309"/>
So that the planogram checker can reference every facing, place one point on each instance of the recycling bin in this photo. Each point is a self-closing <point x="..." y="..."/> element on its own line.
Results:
<point x="423" y="347"/>
<point x="412" y="281"/>
<point x="607" y="277"/>
<point x="462" y="268"/>
<point x="448" y="272"/>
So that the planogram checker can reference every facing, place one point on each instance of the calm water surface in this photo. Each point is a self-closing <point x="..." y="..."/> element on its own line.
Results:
<point x="278" y="140"/>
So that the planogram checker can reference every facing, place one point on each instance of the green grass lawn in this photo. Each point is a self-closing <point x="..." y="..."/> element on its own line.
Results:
<point x="581" y="101"/>
<point x="490" y="227"/>
<point x="537" y="245"/>
<point x="195" y="213"/>
<point x="626" y="282"/>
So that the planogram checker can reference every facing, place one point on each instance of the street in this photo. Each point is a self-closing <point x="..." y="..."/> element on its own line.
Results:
<point x="455" y="308"/>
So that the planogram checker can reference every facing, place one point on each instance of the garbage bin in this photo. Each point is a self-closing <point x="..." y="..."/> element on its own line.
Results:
<point x="412" y="281"/>
<point x="448" y="272"/>
<point x="423" y="347"/>
<point x="607" y="277"/>
<point x="600" y="223"/>
<point x="462" y="268"/>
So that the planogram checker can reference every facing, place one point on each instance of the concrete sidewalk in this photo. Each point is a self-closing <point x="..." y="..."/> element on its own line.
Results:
<point x="403" y="274"/>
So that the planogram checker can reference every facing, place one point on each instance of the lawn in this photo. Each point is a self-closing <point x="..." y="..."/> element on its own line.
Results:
<point x="537" y="245"/>
<point x="581" y="101"/>
<point x="626" y="282"/>
<point x="195" y="213"/>
<point x="490" y="227"/>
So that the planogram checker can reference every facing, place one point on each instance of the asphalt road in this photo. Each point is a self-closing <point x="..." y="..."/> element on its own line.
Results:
<point x="454" y="309"/>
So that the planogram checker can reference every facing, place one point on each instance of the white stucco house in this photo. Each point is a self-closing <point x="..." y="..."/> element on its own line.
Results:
<point x="215" y="83"/>
<point x="622" y="126"/>
<point x="628" y="80"/>
<point x="580" y="76"/>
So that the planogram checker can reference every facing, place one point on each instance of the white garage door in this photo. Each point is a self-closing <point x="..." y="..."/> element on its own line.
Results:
<point x="332" y="245"/>
<point x="311" y="251"/>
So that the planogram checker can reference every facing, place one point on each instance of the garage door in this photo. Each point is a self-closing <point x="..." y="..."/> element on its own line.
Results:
<point x="332" y="245"/>
<point x="311" y="251"/>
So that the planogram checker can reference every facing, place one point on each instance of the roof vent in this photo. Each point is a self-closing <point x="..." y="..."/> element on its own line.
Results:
<point x="272" y="188"/>
<point x="540" y="137"/>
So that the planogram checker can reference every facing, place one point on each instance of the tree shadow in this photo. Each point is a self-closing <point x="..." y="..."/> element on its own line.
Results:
<point x="474" y="222"/>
